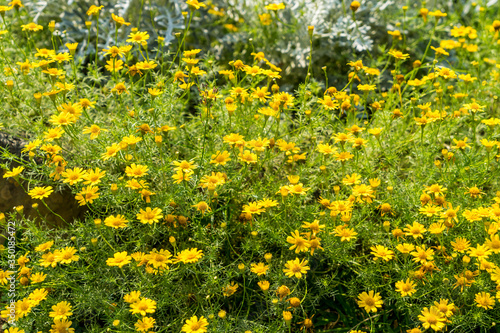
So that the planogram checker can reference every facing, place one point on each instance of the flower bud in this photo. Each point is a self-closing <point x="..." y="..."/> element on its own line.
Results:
<point x="294" y="302"/>
<point x="287" y="316"/>
<point x="387" y="226"/>
<point x="52" y="25"/>
<point x="310" y="30"/>
<point x="9" y="84"/>
<point x="264" y="285"/>
<point x="38" y="98"/>
<point x="354" y="6"/>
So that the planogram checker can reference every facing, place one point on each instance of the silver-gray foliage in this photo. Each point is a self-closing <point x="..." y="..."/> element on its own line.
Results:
<point x="70" y="17"/>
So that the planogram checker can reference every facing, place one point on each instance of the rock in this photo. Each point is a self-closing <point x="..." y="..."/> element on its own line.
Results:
<point x="62" y="208"/>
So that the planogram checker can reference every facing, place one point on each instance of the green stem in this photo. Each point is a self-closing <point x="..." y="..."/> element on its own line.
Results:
<point x="182" y="41"/>
<point x="96" y="43"/>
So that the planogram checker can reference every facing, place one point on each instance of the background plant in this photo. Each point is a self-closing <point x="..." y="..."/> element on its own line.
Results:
<point x="364" y="157"/>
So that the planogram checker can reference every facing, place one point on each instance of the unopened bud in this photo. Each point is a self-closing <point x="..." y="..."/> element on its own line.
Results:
<point x="354" y="6"/>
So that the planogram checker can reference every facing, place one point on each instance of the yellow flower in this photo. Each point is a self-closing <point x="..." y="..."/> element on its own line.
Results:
<point x="220" y="158"/>
<point x="146" y="65"/>
<point x="138" y="37"/>
<point x="71" y="47"/>
<point x="366" y="87"/>
<point x="416" y="230"/>
<point x="159" y="259"/>
<point x="132" y="297"/>
<point x="405" y="248"/>
<point x="422" y="254"/>
<point x="61" y="310"/>
<point x="184" y="166"/>
<point x="62" y="119"/>
<point x="460" y="144"/>
<point x="4" y="9"/>
<point x="445" y="307"/>
<point x="202" y="206"/>
<point x="265" y="19"/>
<point x="275" y="6"/>
<point x="93" y="130"/>
<point x="230" y="289"/>
<point x="119" y="20"/>
<point x="437" y="14"/>
<point x="154" y="92"/>
<point x="253" y="208"/>
<point x="345" y="234"/>
<point x="87" y="195"/>
<point x="113" y="65"/>
<point x="195" y="325"/>
<point x="15" y="172"/>
<point x="60" y="57"/>
<point x="40" y="192"/>
<point x="149" y="215"/>
<point x="440" y="51"/>
<point x="194" y="4"/>
<point x="296" y="268"/>
<point x="432" y="318"/>
<point x="94" y="10"/>
<point x="406" y="288"/>
<point x="119" y="259"/>
<point x="247" y="157"/>
<point x="111" y="151"/>
<point x="370" y="301"/>
<point x="396" y="34"/>
<point x="399" y="55"/>
<point x="189" y="256"/>
<point x="298" y="242"/>
<point x="259" y="269"/>
<point x="180" y="176"/>
<point x="328" y="103"/>
<point x="66" y="255"/>
<point x="53" y="133"/>
<point x="116" y="222"/>
<point x="144" y="324"/>
<point x="136" y="170"/>
<point x="44" y="246"/>
<point x="480" y="251"/>
<point x="73" y="176"/>
<point x="380" y="251"/>
<point x="32" y="27"/>
<point x="143" y="306"/>
<point x="38" y="295"/>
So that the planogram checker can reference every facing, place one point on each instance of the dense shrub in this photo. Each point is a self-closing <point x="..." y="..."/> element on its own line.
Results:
<point x="222" y="196"/>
